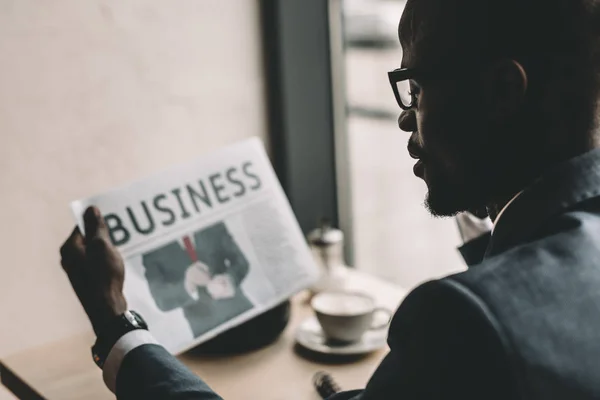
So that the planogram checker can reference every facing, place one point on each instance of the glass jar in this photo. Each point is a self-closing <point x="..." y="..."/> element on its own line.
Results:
<point x="327" y="247"/>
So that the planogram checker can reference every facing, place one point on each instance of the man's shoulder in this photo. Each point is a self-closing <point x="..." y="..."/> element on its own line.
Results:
<point x="506" y="293"/>
<point x="444" y="308"/>
<point x="543" y="298"/>
<point x="561" y="260"/>
<point x="524" y="308"/>
<point x="474" y="287"/>
<point x="442" y="327"/>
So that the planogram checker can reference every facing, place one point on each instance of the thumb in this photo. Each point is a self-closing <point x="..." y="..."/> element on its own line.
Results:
<point x="94" y="224"/>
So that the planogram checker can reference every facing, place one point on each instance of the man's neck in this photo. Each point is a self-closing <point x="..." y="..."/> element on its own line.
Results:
<point x="592" y="141"/>
<point x="497" y="207"/>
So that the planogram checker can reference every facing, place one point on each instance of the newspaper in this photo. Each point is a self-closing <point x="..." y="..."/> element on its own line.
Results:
<point x="207" y="245"/>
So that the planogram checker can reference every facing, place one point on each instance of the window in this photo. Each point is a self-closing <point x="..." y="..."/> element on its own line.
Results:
<point x="393" y="235"/>
<point x="335" y="141"/>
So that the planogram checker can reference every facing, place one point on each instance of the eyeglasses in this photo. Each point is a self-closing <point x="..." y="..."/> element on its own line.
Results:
<point x="399" y="79"/>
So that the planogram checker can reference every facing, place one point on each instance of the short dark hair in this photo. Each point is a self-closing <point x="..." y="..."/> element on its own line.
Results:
<point x="557" y="41"/>
<point x="554" y="39"/>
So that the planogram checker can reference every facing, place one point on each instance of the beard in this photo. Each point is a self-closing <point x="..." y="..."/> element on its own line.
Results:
<point x="472" y="189"/>
<point x="444" y="202"/>
<point x="452" y="192"/>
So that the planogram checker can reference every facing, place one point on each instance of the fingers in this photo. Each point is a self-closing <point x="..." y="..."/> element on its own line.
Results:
<point x="96" y="236"/>
<point x="203" y="267"/>
<point x="72" y="254"/>
<point x="95" y="227"/>
<point x="73" y="250"/>
<point x="103" y="259"/>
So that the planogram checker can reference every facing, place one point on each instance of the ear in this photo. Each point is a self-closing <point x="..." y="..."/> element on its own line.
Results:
<point x="506" y="87"/>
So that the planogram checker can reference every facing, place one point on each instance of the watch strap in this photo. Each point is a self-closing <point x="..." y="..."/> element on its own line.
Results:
<point x="113" y="331"/>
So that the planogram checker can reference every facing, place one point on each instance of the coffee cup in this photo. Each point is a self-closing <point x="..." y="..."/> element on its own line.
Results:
<point x="346" y="316"/>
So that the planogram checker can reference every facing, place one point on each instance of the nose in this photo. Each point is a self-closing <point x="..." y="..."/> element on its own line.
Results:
<point x="407" y="121"/>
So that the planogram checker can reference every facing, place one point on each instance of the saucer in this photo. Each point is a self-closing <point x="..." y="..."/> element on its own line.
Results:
<point x="310" y="335"/>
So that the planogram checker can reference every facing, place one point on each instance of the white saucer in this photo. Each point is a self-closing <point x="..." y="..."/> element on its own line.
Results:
<point x="310" y="335"/>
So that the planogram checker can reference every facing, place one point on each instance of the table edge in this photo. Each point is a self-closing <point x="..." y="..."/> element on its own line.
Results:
<point x="16" y="385"/>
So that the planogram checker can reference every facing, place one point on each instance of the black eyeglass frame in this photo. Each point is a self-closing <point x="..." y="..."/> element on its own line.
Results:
<point x="399" y="75"/>
<point x="448" y="71"/>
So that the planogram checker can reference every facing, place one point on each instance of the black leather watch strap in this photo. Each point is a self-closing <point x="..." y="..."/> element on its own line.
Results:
<point x="113" y="331"/>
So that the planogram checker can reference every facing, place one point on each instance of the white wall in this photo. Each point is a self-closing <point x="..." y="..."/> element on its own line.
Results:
<point x="94" y="94"/>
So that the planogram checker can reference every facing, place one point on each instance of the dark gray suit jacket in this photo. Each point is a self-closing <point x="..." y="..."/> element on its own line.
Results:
<point x="523" y="322"/>
<point x="166" y="268"/>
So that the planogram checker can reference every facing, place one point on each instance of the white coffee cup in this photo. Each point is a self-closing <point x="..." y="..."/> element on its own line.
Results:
<point x="346" y="316"/>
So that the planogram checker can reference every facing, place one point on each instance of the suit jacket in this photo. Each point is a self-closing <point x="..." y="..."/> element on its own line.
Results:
<point x="165" y="273"/>
<point x="523" y="322"/>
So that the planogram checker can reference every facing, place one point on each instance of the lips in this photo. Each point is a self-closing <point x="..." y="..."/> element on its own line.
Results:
<point x="419" y="169"/>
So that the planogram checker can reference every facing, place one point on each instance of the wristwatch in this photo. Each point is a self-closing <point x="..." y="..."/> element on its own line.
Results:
<point x="113" y="331"/>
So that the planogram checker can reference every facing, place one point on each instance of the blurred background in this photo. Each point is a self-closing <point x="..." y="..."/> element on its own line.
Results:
<point x="394" y="236"/>
<point x="98" y="93"/>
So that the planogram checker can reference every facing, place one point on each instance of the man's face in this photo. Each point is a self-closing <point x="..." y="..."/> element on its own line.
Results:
<point x="449" y="133"/>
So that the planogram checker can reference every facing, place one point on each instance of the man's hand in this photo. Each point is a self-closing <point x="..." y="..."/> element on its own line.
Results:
<point x="95" y="269"/>
<point x="221" y="287"/>
<point x="197" y="275"/>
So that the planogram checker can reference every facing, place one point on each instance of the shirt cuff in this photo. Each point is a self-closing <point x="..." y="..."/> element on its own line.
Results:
<point x="124" y="345"/>
<point x="472" y="227"/>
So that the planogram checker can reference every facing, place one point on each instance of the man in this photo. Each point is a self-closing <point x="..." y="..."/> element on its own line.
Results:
<point x="204" y="280"/>
<point x="502" y="106"/>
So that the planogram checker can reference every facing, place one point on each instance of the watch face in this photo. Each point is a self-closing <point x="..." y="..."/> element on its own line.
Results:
<point x="123" y="324"/>
<point x="135" y="319"/>
<point x="131" y="317"/>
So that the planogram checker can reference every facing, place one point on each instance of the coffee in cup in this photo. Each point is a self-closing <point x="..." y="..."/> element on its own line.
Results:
<point x="345" y="316"/>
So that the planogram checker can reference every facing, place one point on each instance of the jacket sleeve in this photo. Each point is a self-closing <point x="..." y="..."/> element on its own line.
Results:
<point x="150" y="372"/>
<point x="444" y="344"/>
<point x="238" y="264"/>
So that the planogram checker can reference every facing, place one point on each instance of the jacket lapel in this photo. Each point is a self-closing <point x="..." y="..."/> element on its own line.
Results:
<point x="474" y="251"/>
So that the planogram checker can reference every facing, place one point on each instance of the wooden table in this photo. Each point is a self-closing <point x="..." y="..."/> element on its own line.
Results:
<point x="5" y="394"/>
<point x="64" y="370"/>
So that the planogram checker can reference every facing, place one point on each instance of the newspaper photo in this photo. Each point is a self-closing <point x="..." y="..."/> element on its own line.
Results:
<point x="207" y="245"/>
